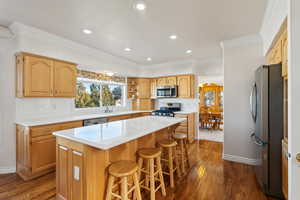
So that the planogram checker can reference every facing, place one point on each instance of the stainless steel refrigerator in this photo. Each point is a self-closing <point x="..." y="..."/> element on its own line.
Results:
<point x="266" y="103"/>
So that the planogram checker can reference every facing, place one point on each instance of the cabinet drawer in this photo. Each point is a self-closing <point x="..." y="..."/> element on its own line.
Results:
<point x="181" y="129"/>
<point x="43" y="130"/>
<point x="184" y="123"/>
<point x="181" y="116"/>
<point x="70" y="125"/>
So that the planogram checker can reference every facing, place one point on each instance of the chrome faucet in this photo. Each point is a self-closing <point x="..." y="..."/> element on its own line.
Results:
<point x="107" y="110"/>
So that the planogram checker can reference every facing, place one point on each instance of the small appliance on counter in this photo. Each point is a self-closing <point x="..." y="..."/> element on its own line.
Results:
<point x="166" y="91"/>
<point x="168" y="110"/>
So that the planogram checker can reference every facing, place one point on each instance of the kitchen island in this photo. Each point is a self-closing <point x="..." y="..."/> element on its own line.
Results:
<point x="83" y="154"/>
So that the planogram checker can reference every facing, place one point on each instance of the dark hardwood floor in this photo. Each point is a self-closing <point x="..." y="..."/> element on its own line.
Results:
<point x="210" y="178"/>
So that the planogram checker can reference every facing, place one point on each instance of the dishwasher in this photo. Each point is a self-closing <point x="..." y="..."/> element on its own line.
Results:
<point x="89" y="122"/>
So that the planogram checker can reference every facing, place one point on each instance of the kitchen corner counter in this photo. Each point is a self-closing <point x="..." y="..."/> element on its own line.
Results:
<point x="70" y="118"/>
<point x="112" y="134"/>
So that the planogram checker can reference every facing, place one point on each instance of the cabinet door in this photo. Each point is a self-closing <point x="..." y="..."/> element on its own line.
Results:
<point x="143" y="88"/>
<point x="277" y="54"/>
<point x="153" y="88"/>
<point x="62" y="172"/>
<point x="285" y="54"/>
<point x="42" y="153"/>
<point x="161" y="81"/>
<point x="64" y="79"/>
<point x="38" y="77"/>
<point x="145" y="104"/>
<point x="77" y="175"/>
<point x="171" y="80"/>
<point x="184" y="86"/>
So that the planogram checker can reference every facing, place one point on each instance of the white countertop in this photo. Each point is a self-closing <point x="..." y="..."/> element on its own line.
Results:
<point x="108" y="135"/>
<point x="70" y="118"/>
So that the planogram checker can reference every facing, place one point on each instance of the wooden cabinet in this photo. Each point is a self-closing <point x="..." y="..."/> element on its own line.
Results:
<point x="146" y="88"/>
<point x="285" y="54"/>
<point x="64" y="79"/>
<point x="39" y="76"/>
<point x="188" y="126"/>
<point x="186" y="86"/>
<point x="69" y="182"/>
<point x="143" y="88"/>
<point x="171" y="80"/>
<point x="162" y="81"/>
<point x="43" y="153"/>
<point x="285" y="168"/>
<point x="145" y="104"/>
<point x="153" y="86"/>
<point x="36" y="148"/>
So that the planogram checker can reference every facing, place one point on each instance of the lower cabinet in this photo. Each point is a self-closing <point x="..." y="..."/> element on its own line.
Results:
<point x="69" y="182"/>
<point x="285" y="168"/>
<point x="187" y="126"/>
<point x="36" y="148"/>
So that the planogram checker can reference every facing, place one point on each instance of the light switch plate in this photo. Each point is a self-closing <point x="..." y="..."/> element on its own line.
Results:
<point x="76" y="173"/>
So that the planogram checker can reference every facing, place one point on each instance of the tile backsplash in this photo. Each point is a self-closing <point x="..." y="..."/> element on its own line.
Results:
<point x="32" y="108"/>
<point x="186" y="104"/>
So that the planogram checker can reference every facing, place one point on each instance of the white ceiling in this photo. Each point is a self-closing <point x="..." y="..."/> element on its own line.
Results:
<point x="199" y="24"/>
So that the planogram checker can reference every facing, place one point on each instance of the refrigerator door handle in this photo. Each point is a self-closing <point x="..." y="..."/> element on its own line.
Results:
<point x="257" y="140"/>
<point x="252" y="104"/>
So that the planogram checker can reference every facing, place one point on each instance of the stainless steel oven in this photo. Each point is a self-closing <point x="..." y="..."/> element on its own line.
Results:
<point x="166" y="91"/>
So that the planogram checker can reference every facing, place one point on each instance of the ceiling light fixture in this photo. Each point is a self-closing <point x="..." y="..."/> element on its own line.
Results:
<point x="149" y="59"/>
<point x="139" y="5"/>
<point x="189" y="51"/>
<point x="127" y="49"/>
<point x="173" y="37"/>
<point x="87" y="31"/>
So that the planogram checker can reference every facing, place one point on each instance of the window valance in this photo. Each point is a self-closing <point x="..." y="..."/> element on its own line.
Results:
<point x="99" y="76"/>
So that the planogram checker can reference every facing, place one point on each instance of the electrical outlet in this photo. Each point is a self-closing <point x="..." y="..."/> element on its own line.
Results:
<point x="76" y="173"/>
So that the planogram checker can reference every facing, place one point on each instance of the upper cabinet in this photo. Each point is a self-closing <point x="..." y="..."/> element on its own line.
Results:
<point x="39" y="76"/>
<point x="284" y="54"/>
<point x="171" y="80"/>
<point x="143" y="88"/>
<point x="186" y="86"/>
<point x="153" y="87"/>
<point x="64" y="79"/>
<point x="162" y="81"/>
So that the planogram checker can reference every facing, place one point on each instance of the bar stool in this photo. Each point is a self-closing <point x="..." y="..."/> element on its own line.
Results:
<point x="151" y="155"/>
<point x="182" y="151"/>
<point x="123" y="170"/>
<point x="168" y="146"/>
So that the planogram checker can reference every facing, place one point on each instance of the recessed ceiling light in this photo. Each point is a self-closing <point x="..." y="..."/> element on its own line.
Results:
<point x="188" y="51"/>
<point x="139" y="5"/>
<point x="127" y="49"/>
<point x="87" y="31"/>
<point x="149" y="59"/>
<point x="173" y="37"/>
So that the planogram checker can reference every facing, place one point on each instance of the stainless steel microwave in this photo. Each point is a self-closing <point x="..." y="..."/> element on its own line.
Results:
<point x="166" y="91"/>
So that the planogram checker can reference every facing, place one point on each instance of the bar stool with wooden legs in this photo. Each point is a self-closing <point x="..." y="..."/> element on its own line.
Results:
<point x="152" y="172"/>
<point x="168" y="146"/>
<point x="123" y="170"/>
<point x="182" y="150"/>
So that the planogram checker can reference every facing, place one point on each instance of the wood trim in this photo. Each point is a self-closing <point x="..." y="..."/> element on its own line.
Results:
<point x="40" y="56"/>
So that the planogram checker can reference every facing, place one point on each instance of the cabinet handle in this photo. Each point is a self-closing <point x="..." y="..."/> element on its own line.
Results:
<point x="51" y="91"/>
<point x="63" y="148"/>
<point x="77" y="153"/>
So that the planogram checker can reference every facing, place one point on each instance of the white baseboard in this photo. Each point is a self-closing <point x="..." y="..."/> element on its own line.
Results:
<point x="7" y="170"/>
<point x="239" y="159"/>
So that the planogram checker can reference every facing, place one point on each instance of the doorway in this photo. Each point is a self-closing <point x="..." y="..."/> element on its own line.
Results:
<point x="211" y="119"/>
